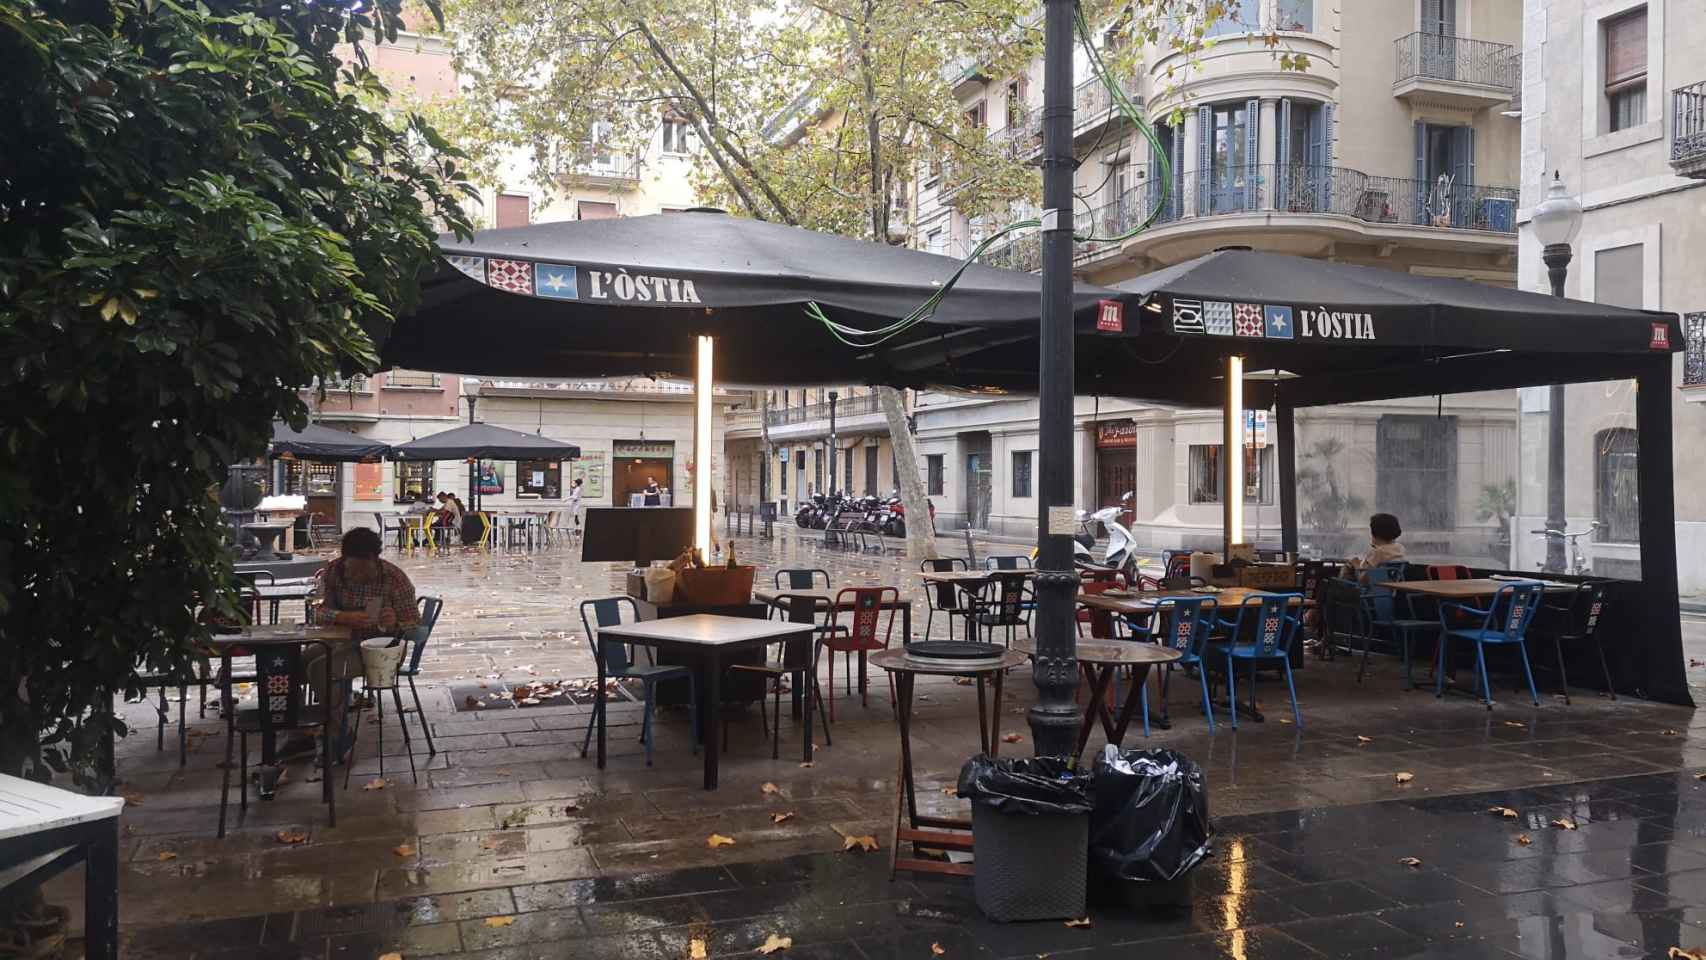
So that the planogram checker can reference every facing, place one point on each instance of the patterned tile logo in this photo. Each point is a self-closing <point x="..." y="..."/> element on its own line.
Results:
<point x="516" y="276"/>
<point x="1187" y="316"/>
<point x="557" y="281"/>
<point x="1247" y="320"/>
<point x="1217" y="317"/>
<point x="1278" y="322"/>
<point x="472" y="266"/>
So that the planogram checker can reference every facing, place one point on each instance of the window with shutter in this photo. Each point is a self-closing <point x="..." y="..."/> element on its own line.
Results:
<point x="1626" y="70"/>
<point x="512" y="210"/>
<point x="1205" y="157"/>
<point x="593" y="210"/>
<point x="1252" y="155"/>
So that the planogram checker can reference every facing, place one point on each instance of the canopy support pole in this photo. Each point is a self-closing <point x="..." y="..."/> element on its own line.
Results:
<point x="1285" y="425"/>
<point x="1232" y="458"/>
<point x="1664" y="670"/>
<point x="1054" y="669"/>
<point x="702" y="386"/>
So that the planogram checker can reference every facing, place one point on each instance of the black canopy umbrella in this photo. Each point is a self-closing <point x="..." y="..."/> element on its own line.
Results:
<point x="1328" y="332"/>
<point x="483" y="441"/>
<point x="314" y="442"/>
<point x="626" y="296"/>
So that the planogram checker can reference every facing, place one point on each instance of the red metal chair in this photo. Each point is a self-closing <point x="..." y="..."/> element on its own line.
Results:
<point x="1449" y="571"/>
<point x="1101" y="621"/>
<point x="865" y="605"/>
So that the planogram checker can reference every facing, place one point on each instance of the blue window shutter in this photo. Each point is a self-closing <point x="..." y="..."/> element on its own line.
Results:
<point x="1174" y="204"/>
<point x="1324" y="157"/>
<point x="1282" y="157"/>
<point x="1421" y="178"/>
<point x="1462" y="174"/>
<point x="1205" y="157"/>
<point x="1252" y="154"/>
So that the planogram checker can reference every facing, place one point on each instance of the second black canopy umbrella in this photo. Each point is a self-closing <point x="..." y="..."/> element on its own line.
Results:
<point x="484" y="441"/>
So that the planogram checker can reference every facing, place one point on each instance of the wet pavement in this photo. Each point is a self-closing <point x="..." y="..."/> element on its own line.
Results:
<point x="512" y="845"/>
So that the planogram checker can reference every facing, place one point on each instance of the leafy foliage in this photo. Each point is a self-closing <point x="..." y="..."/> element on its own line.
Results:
<point x="204" y="218"/>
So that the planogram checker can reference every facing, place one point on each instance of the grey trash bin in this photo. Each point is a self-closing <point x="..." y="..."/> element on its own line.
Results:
<point x="1031" y="836"/>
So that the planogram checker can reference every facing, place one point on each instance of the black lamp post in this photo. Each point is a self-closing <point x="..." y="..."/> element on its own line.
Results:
<point x="1556" y="221"/>
<point x="1054" y="670"/>
<point x="471" y="393"/>
<point x="833" y="395"/>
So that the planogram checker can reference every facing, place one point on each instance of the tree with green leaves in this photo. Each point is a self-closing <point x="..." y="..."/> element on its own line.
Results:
<point x="198" y="215"/>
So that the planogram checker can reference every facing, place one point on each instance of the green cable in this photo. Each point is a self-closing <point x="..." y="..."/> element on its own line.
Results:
<point x="865" y="339"/>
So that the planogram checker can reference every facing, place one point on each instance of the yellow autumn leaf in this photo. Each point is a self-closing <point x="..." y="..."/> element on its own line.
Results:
<point x="716" y="840"/>
<point x="1404" y="776"/>
<point x="1080" y="922"/>
<point x="775" y="943"/>
<point x="1564" y="824"/>
<point x="289" y="837"/>
<point x="1524" y="840"/>
<point x="165" y="855"/>
<point x="1011" y="738"/>
<point x="499" y="921"/>
<point x="1515" y="723"/>
<point x="769" y="788"/>
<point x="782" y="817"/>
<point x="807" y="765"/>
<point x="393" y="955"/>
<point x="867" y="842"/>
<point x="1505" y="812"/>
<point x="376" y="784"/>
<point x="1362" y="740"/>
<point x="403" y="850"/>
<point x="1410" y="861"/>
<point x="936" y="950"/>
<point x="1677" y="953"/>
<point x="696" y="949"/>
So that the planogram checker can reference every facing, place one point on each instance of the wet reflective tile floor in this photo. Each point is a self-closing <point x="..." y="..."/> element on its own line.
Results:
<point x="512" y="845"/>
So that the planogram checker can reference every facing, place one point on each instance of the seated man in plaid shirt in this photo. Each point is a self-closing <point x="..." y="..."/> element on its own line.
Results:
<point x="370" y="596"/>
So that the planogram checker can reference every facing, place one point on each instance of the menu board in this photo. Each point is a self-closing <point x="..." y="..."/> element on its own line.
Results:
<point x="590" y="470"/>
<point x="369" y="481"/>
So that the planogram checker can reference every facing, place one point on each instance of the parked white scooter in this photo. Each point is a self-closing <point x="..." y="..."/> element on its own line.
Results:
<point x="1120" y="555"/>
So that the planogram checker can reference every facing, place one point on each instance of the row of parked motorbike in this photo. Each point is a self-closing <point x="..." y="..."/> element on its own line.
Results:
<point x="884" y="515"/>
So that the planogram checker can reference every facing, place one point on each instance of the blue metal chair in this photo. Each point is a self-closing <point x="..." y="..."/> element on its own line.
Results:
<point x="1504" y="621"/>
<point x="1184" y="623"/>
<point x="417" y="637"/>
<point x="1384" y="612"/>
<point x="1272" y="629"/>
<point x="607" y="612"/>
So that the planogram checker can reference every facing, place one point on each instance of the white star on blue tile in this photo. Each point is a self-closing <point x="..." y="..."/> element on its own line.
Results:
<point x="556" y="281"/>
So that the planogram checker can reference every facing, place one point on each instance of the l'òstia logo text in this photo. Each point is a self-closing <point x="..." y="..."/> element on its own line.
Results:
<point x="1335" y="325"/>
<point x="639" y="287"/>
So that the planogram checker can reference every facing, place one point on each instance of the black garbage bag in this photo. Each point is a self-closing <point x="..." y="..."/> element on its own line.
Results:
<point x="1025" y="785"/>
<point x="1150" y="820"/>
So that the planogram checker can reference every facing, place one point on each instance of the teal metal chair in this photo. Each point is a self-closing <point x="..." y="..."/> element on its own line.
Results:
<point x="1387" y="611"/>
<point x="607" y="612"/>
<point x="1504" y="622"/>
<point x="1267" y="640"/>
<point x="1184" y="624"/>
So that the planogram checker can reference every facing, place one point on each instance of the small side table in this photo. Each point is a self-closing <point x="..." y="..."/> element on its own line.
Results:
<point x="909" y="827"/>
<point x="1099" y="659"/>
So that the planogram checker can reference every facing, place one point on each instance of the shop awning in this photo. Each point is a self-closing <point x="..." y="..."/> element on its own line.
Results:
<point x="485" y="441"/>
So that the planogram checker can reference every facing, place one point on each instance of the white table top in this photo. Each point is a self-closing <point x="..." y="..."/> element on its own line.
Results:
<point x="704" y="629"/>
<point x="28" y="807"/>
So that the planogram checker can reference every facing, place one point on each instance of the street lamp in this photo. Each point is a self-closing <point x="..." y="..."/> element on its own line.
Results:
<point x="1556" y="221"/>
<point x="833" y="396"/>
<point x="471" y="393"/>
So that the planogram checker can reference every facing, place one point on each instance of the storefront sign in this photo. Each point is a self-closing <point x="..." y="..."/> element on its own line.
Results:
<point x="590" y="471"/>
<point x="644" y="449"/>
<point x="1224" y="318"/>
<point x="369" y="481"/>
<point x="562" y="281"/>
<point x="1119" y="433"/>
<point x="491" y="477"/>
<point x="1110" y="316"/>
<point x="1661" y="336"/>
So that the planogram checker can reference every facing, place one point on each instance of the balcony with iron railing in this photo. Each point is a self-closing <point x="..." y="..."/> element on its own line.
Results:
<point x="413" y="380"/>
<point x="845" y="407"/>
<point x="610" y="168"/>
<point x="1297" y="188"/>
<point x="1455" y="71"/>
<point x="1688" y="130"/>
<point x="1093" y="104"/>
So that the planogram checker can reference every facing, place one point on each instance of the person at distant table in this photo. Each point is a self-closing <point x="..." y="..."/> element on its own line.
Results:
<point x="1383" y="545"/>
<point x="575" y="501"/>
<point x="654" y="494"/>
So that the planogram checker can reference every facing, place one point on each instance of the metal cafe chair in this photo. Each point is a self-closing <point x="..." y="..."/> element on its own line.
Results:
<point x="1272" y="629"/>
<point x="860" y="636"/>
<point x="1576" y="623"/>
<point x="607" y="612"/>
<point x="797" y="663"/>
<point x="1384" y="612"/>
<point x="942" y="597"/>
<point x="282" y="684"/>
<point x="1184" y="623"/>
<point x="998" y="602"/>
<point x="417" y="636"/>
<point x="1505" y="621"/>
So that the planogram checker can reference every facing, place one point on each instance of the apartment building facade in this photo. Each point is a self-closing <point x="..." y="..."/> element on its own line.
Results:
<point x="1613" y="103"/>
<point x="1391" y="148"/>
<point x="800" y="429"/>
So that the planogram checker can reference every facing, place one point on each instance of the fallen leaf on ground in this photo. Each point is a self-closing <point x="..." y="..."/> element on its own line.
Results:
<point x="769" y="788"/>
<point x="391" y="956"/>
<point x="1404" y="776"/>
<point x="1011" y="738"/>
<point x="951" y="792"/>
<point x="1505" y="812"/>
<point x="1410" y="861"/>
<point x="499" y="921"/>
<point x="1669" y="732"/>
<point x="165" y="855"/>
<point x="963" y="681"/>
<point x="866" y="842"/>
<point x="403" y="850"/>
<point x="1362" y="739"/>
<point x="376" y="784"/>
<point x="716" y="840"/>
<point x="1515" y="723"/>
<point x="696" y="949"/>
<point x="781" y="817"/>
<point x="1080" y="922"/>
<point x="1458" y="924"/>
<point x="1524" y="840"/>
<point x="936" y="950"/>
<point x="1564" y="824"/>
<point x="1700" y="776"/>
<point x="775" y="943"/>
<point x="290" y="837"/>
<point x="807" y="765"/>
<point x="1677" y="953"/>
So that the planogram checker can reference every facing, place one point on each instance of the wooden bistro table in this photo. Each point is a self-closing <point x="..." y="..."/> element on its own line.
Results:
<point x="255" y="640"/>
<point x="1100" y="659"/>
<point x="908" y="825"/>
<point x="704" y="639"/>
<point x="44" y="830"/>
<point x="1475" y="588"/>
